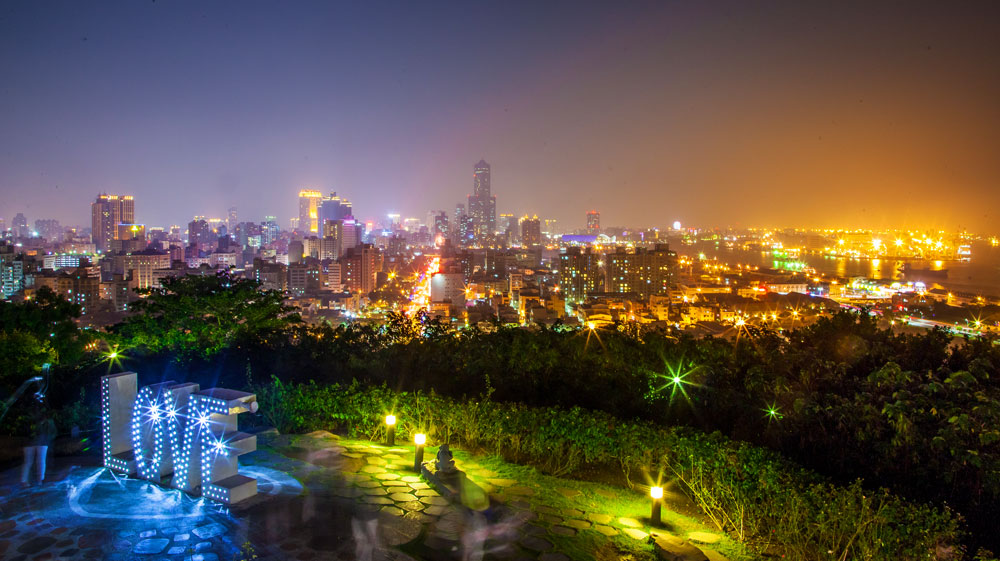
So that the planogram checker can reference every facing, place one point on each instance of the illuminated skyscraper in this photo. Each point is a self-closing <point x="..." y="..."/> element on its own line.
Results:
<point x="309" y="211"/>
<point x="593" y="222"/>
<point x="482" y="205"/>
<point x="580" y="274"/>
<point x="531" y="231"/>
<point x="106" y="213"/>
<point x="269" y="229"/>
<point x="359" y="267"/>
<point x="333" y="208"/>
<point x="644" y="272"/>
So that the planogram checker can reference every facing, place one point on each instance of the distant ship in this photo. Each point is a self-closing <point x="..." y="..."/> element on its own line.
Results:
<point x="910" y="271"/>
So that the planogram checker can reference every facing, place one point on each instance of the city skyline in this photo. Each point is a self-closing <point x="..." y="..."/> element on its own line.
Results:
<point x="715" y="115"/>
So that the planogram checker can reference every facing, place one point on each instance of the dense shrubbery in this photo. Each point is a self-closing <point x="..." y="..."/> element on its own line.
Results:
<point x="747" y="491"/>
<point x="35" y="332"/>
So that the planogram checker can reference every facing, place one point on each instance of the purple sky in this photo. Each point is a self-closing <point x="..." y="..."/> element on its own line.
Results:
<point x="741" y="113"/>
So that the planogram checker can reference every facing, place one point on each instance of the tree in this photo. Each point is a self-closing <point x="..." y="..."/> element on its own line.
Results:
<point x="201" y="316"/>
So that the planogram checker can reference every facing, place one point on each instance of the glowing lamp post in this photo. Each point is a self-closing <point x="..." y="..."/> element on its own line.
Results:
<point x="390" y="430"/>
<point x="657" y="494"/>
<point x="418" y="452"/>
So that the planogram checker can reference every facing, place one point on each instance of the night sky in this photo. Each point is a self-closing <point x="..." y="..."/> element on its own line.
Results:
<point x="716" y="114"/>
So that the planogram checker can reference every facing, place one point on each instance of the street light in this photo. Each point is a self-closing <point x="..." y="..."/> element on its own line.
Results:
<point x="390" y="430"/>
<point x="418" y="452"/>
<point x="657" y="495"/>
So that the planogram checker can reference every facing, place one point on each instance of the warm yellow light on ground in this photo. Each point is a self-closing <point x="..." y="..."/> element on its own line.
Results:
<point x="656" y="492"/>
<point x="420" y="439"/>
<point x="390" y="420"/>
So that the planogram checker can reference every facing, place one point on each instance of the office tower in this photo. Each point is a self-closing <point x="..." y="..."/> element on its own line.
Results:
<point x="106" y="213"/>
<point x="352" y="233"/>
<point x="333" y="239"/>
<point x="506" y="221"/>
<point x="593" y="222"/>
<point x="549" y="226"/>
<point x="432" y="218"/>
<point x="645" y="272"/>
<point x="440" y="226"/>
<point x="464" y="230"/>
<point x="580" y="274"/>
<point x="199" y="234"/>
<point x="531" y="231"/>
<point x="359" y="267"/>
<point x="309" y="211"/>
<point x="19" y="226"/>
<point x="269" y="230"/>
<point x="482" y="205"/>
<point x="333" y="208"/>
<point x="231" y="222"/>
<point x="507" y="226"/>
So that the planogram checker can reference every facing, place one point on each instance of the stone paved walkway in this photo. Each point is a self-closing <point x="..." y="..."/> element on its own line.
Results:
<point x="321" y="497"/>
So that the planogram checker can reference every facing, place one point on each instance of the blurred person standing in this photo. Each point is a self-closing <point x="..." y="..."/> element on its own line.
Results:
<point x="42" y="432"/>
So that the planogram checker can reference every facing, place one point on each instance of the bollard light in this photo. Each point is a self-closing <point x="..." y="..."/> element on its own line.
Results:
<point x="657" y="494"/>
<point x="418" y="452"/>
<point x="390" y="430"/>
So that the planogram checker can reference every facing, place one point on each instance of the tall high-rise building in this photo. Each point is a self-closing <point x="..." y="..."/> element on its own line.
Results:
<point x="353" y="233"/>
<point x="593" y="222"/>
<point x="359" y="267"/>
<point x="440" y="226"/>
<point x="106" y="213"/>
<point x="507" y="226"/>
<point x="482" y="205"/>
<point x="199" y="234"/>
<point x="19" y="226"/>
<point x="579" y="274"/>
<point x="645" y="272"/>
<point x="531" y="231"/>
<point x="309" y="211"/>
<point x="231" y="221"/>
<point x="333" y="239"/>
<point x="333" y="208"/>
<point x="269" y="230"/>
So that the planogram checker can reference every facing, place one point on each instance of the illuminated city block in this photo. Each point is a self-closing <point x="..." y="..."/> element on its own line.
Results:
<point x="177" y="430"/>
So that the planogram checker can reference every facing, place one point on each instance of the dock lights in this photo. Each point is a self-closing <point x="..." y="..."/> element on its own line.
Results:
<point x="419" y="440"/>
<point x="390" y="430"/>
<point x="657" y="495"/>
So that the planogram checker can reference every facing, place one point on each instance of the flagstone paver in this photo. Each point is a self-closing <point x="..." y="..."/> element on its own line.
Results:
<point x="635" y="534"/>
<point x="503" y="482"/>
<point x="598" y="518"/>
<point x="606" y="530"/>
